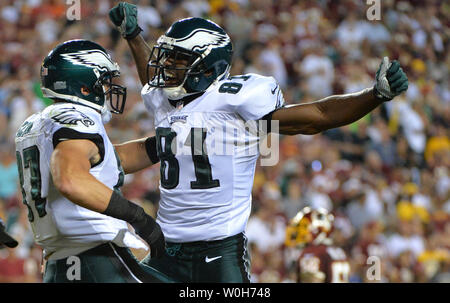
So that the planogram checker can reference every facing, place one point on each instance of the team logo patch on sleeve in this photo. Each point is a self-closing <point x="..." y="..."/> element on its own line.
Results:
<point x="72" y="116"/>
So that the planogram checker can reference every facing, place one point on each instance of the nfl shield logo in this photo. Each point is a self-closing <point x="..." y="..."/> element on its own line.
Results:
<point x="44" y="71"/>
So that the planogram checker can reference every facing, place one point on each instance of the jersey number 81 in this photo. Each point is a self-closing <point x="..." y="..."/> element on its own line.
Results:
<point x="203" y="174"/>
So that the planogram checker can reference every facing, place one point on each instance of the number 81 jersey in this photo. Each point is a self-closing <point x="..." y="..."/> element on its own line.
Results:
<point x="208" y="150"/>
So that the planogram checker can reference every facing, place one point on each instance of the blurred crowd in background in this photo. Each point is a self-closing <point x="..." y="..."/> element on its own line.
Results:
<point x="385" y="177"/>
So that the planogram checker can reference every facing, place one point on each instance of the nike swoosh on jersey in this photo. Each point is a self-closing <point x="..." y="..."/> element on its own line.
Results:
<point x="273" y="90"/>
<point x="207" y="260"/>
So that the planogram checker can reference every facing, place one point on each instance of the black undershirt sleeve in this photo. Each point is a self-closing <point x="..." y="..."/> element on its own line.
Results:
<point x="64" y="134"/>
<point x="150" y="148"/>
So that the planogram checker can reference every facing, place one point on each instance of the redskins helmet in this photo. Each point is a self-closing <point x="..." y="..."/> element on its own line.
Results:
<point x="189" y="57"/>
<point x="309" y="226"/>
<point x="77" y="64"/>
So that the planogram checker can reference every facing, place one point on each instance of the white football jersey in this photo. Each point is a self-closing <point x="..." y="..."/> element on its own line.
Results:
<point x="208" y="150"/>
<point x="61" y="227"/>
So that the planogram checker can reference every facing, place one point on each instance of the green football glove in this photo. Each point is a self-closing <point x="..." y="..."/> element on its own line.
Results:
<point x="391" y="80"/>
<point x="124" y="16"/>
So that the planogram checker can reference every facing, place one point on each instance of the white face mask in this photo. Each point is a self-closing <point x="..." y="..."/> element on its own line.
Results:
<point x="106" y="114"/>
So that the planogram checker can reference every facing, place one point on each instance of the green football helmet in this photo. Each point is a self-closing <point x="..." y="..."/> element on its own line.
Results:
<point x="81" y="72"/>
<point x="189" y="57"/>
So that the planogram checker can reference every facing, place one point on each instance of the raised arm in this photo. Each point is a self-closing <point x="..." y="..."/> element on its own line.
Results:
<point x="141" y="53"/>
<point x="124" y="16"/>
<point x="339" y="110"/>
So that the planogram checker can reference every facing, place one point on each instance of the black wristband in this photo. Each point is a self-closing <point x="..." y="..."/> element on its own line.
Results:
<point x="121" y="208"/>
<point x="144" y="225"/>
<point x="134" y="34"/>
<point x="150" y="148"/>
<point x="156" y="231"/>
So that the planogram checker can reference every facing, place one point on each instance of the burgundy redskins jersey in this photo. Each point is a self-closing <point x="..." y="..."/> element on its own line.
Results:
<point x="323" y="263"/>
<point x="369" y="248"/>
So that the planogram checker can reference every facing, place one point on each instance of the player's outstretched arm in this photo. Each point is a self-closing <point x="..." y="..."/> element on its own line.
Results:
<point x="330" y="112"/>
<point x="137" y="154"/>
<point x="335" y="111"/>
<point x="70" y="165"/>
<point x="124" y="17"/>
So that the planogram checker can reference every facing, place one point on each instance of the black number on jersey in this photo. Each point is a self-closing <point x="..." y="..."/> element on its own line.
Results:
<point x="31" y="161"/>
<point x="232" y="87"/>
<point x="164" y="138"/>
<point x="201" y="161"/>
<point x="169" y="163"/>
<point x="121" y="176"/>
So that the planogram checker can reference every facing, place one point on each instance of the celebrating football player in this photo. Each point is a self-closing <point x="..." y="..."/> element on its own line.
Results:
<point x="319" y="260"/>
<point x="71" y="176"/>
<point x="206" y="196"/>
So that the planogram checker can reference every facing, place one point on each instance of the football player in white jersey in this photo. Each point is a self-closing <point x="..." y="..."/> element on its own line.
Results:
<point x="71" y="175"/>
<point x="206" y="139"/>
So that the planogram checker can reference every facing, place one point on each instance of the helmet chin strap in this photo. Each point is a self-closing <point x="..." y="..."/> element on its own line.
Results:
<point x="177" y="93"/>
<point x="106" y="114"/>
<point x="104" y="110"/>
<point x="51" y="94"/>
